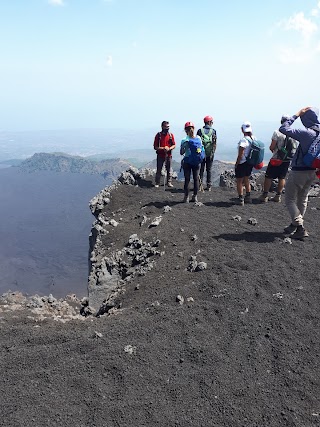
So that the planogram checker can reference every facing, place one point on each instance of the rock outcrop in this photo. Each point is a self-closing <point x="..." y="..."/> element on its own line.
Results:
<point x="62" y="162"/>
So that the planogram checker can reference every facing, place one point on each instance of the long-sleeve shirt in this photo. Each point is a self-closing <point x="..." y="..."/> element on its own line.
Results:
<point x="305" y="138"/>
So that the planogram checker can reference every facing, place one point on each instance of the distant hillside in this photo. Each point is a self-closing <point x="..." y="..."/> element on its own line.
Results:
<point x="62" y="162"/>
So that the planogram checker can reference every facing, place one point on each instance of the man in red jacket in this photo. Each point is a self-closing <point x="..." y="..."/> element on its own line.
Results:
<point x="164" y="143"/>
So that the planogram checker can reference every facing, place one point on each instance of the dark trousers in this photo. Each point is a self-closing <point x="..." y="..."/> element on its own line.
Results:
<point x="160" y="162"/>
<point x="187" y="175"/>
<point x="206" y="164"/>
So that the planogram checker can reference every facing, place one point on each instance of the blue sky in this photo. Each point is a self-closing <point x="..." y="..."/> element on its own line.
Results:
<point x="68" y="64"/>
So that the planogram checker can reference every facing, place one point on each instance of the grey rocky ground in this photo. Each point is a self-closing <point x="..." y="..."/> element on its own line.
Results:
<point x="212" y="319"/>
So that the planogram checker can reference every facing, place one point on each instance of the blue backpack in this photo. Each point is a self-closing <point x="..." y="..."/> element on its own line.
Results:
<point x="197" y="153"/>
<point x="256" y="152"/>
<point x="312" y="158"/>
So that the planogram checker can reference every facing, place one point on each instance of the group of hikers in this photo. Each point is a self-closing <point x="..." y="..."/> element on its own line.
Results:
<point x="289" y="145"/>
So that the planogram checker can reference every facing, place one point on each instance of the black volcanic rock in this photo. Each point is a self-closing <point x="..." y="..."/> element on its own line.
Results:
<point x="234" y="342"/>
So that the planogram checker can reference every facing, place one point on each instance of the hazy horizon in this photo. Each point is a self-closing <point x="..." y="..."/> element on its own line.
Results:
<point x="120" y="142"/>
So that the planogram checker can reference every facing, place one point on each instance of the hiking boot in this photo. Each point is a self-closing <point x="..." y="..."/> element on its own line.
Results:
<point x="247" y="199"/>
<point x="186" y="199"/>
<point x="290" y="229"/>
<point x="169" y="184"/>
<point x="300" y="233"/>
<point x="194" y="198"/>
<point x="209" y="187"/>
<point x="156" y="185"/>
<point x="240" y="201"/>
<point x="276" y="198"/>
<point x="263" y="198"/>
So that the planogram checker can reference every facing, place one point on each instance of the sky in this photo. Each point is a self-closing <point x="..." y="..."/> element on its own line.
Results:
<point x="72" y="64"/>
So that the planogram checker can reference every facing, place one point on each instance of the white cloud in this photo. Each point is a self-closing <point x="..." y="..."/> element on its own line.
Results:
<point x="303" y="49"/>
<point x="298" y="22"/>
<point x="109" y="61"/>
<point x="56" y="2"/>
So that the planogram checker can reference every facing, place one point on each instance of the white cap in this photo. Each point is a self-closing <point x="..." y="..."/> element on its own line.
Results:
<point x="246" y="127"/>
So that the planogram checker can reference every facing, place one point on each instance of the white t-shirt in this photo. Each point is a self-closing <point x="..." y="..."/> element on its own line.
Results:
<point x="245" y="143"/>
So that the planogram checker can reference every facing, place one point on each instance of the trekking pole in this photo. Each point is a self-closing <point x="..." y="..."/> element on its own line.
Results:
<point x="165" y="171"/>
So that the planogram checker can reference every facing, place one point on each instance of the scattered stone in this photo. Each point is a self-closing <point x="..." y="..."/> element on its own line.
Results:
<point x="278" y="295"/>
<point x="130" y="349"/>
<point x="287" y="240"/>
<point x="194" y="237"/>
<point x="198" y="204"/>
<point x="201" y="266"/>
<point x="98" y="334"/>
<point x="252" y="221"/>
<point x="156" y="221"/>
<point x="113" y="222"/>
<point x="237" y="218"/>
<point x="180" y="299"/>
<point x="192" y="264"/>
<point x="137" y="287"/>
<point x="190" y="299"/>
<point x="144" y="220"/>
<point x="167" y="209"/>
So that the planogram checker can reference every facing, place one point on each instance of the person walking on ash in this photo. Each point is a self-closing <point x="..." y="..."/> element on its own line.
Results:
<point x="164" y="143"/>
<point x="302" y="175"/>
<point x="283" y="149"/>
<point x="208" y="136"/>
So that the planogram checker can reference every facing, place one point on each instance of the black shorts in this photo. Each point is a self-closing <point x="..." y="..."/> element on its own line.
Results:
<point x="243" y="169"/>
<point x="279" y="172"/>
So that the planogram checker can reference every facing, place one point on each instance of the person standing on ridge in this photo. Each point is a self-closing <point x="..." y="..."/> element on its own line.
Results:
<point x="242" y="168"/>
<point x="164" y="143"/>
<point x="301" y="176"/>
<point x="278" y="168"/>
<point x="193" y="151"/>
<point x="208" y="136"/>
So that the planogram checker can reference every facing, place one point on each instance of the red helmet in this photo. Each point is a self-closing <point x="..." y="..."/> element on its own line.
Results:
<point x="189" y="125"/>
<point x="259" y="166"/>
<point x="208" y="119"/>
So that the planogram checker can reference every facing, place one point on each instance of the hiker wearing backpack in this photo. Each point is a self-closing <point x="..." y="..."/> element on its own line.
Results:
<point x="208" y="136"/>
<point x="243" y="168"/>
<point x="164" y="143"/>
<point x="302" y="174"/>
<point x="283" y="149"/>
<point x="193" y="151"/>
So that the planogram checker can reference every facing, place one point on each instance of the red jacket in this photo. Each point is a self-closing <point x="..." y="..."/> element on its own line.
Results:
<point x="163" y="140"/>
